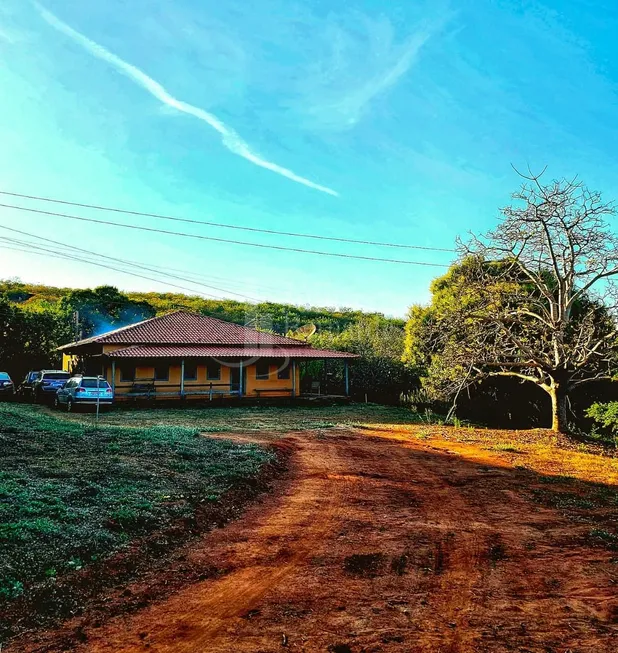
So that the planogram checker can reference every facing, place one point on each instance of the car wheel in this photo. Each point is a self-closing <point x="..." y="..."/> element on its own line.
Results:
<point x="56" y="403"/>
<point x="70" y="407"/>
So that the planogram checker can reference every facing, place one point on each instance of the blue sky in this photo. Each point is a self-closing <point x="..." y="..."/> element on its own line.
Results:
<point x="370" y="120"/>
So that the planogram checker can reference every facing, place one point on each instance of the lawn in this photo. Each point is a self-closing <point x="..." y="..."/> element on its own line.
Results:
<point x="278" y="419"/>
<point x="71" y="494"/>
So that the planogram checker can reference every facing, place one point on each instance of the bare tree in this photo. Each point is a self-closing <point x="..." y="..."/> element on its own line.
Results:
<point x="535" y="299"/>
<point x="545" y="291"/>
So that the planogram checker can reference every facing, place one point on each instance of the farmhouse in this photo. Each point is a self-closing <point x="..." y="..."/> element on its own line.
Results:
<point x="186" y="355"/>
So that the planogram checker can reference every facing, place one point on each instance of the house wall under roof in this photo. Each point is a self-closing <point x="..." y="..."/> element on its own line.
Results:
<point x="144" y="375"/>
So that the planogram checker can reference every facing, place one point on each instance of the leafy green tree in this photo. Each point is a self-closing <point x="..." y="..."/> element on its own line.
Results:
<point x="534" y="300"/>
<point x="29" y="338"/>
<point x="103" y="309"/>
<point x="379" y="371"/>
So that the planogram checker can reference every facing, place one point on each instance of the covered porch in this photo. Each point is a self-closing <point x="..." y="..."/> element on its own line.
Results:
<point x="197" y="377"/>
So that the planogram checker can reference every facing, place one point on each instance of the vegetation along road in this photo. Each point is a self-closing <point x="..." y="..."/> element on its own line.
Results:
<point x="386" y="536"/>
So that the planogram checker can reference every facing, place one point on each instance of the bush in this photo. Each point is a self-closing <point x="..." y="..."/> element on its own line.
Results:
<point x="606" y="416"/>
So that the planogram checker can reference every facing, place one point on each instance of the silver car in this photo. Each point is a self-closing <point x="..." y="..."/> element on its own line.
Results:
<point x="84" y="391"/>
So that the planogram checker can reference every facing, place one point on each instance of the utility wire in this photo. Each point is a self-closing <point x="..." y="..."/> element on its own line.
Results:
<point x="209" y="278"/>
<point x="109" y="267"/>
<point x="123" y="261"/>
<point x="220" y="240"/>
<point x="30" y="251"/>
<point x="188" y="275"/>
<point x="223" y="225"/>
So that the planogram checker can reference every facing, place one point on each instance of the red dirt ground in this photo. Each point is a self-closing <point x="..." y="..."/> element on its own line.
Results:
<point x="380" y="544"/>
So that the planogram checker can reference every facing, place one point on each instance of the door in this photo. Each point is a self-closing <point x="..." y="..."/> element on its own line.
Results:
<point x="235" y="378"/>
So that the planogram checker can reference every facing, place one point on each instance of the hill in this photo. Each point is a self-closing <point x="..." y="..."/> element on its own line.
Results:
<point x="266" y="315"/>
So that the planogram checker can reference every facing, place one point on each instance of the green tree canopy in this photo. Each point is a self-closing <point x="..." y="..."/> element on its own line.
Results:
<point x="103" y="309"/>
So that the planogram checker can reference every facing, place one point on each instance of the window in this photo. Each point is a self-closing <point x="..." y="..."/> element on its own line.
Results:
<point x="127" y="373"/>
<point x="213" y="371"/>
<point x="262" y="368"/>
<point x="94" y="383"/>
<point x="162" y="372"/>
<point x="284" y="372"/>
<point x="190" y="372"/>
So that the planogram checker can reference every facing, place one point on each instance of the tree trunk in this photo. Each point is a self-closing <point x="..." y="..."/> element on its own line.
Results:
<point x="558" y="408"/>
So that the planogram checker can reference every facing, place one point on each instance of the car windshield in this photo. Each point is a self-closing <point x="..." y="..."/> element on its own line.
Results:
<point x="92" y="383"/>
<point x="4" y="376"/>
<point x="56" y="375"/>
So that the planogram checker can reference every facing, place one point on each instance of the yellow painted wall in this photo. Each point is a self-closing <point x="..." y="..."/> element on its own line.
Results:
<point x="68" y="362"/>
<point x="272" y="383"/>
<point x="146" y="372"/>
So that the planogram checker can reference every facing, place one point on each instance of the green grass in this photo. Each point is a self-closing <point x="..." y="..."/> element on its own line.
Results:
<point x="70" y="494"/>
<point x="256" y="418"/>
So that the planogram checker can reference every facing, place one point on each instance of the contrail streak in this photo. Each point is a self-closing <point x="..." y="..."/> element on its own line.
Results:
<point x="231" y="140"/>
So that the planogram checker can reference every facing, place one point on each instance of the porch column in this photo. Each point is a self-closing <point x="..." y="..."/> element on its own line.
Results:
<point x="114" y="377"/>
<point x="293" y="378"/>
<point x="182" y="378"/>
<point x="346" y="371"/>
<point x="240" y="388"/>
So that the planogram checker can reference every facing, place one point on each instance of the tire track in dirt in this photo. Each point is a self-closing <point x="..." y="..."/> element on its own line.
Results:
<point x="523" y="589"/>
<point x="192" y="620"/>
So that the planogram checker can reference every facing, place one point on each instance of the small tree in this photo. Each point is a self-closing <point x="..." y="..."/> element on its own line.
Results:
<point x="533" y="299"/>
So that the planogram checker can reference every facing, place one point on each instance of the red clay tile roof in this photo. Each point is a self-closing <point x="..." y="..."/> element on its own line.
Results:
<point x="209" y="351"/>
<point x="184" y="328"/>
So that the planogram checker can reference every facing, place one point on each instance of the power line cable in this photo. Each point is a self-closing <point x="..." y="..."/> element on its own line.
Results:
<point x="133" y="274"/>
<point x="221" y="240"/>
<point x="210" y="278"/>
<point x="126" y="262"/>
<point x="190" y="276"/>
<point x="159" y="216"/>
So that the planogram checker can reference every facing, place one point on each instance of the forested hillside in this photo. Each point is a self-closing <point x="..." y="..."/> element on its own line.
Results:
<point x="280" y="317"/>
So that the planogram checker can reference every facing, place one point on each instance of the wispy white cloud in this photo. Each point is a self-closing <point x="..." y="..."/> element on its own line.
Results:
<point x="353" y="104"/>
<point x="358" y="60"/>
<point x="230" y="138"/>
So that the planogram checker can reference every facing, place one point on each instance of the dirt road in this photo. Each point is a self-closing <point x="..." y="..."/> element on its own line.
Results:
<point x="383" y="544"/>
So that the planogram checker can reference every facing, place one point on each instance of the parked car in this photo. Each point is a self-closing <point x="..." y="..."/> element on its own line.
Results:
<point x="46" y="384"/>
<point x="24" y="390"/>
<point x="84" y="391"/>
<point x="7" y="389"/>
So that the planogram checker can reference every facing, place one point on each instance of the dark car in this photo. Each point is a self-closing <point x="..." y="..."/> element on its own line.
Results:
<point x="7" y="389"/>
<point x="84" y="391"/>
<point x="47" y="383"/>
<point x="24" y="390"/>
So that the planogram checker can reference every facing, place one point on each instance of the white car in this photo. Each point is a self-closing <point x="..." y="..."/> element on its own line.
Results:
<point x="84" y="391"/>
